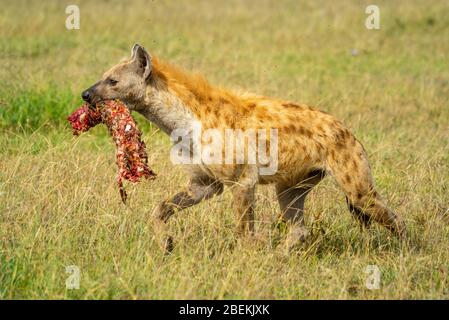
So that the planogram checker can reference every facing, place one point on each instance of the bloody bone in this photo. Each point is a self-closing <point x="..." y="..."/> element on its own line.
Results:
<point x="131" y="156"/>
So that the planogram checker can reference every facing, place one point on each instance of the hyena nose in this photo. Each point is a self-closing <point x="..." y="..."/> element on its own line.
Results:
<point x="86" y="95"/>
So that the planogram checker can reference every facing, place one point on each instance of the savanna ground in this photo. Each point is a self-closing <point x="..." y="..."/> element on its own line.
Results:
<point x="59" y="205"/>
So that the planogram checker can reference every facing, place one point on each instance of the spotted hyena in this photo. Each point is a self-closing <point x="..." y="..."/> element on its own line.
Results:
<point x="310" y="144"/>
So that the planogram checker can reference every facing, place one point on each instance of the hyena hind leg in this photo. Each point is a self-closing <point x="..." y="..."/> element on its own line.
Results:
<point x="291" y="202"/>
<point x="362" y="217"/>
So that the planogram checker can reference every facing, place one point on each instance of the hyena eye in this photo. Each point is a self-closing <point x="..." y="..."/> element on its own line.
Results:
<point x="111" y="82"/>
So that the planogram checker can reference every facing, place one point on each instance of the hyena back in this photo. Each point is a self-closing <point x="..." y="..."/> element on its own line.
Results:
<point x="310" y="143"/>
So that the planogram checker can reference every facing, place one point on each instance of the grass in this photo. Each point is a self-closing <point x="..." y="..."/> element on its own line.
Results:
<point x="59" y="204"/>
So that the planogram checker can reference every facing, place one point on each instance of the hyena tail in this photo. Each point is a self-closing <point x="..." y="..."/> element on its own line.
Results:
<point x="349" y="165"/>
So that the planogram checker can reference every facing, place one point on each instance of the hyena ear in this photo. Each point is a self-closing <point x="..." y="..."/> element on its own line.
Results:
<point x="142" y="59"/>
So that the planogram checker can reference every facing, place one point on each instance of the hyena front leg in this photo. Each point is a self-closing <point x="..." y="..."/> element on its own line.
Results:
<point x="244" y="194"/>
<point x="200" y="188"/>
<point x="291" y="202"/>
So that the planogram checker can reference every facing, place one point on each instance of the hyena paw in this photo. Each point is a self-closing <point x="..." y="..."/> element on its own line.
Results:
<point x="165" y="244"/>
<point x="297" y="238"/>
<point x="168" y="244"/>
<point x="160" y="216"/>
<point x="162" y="212"/>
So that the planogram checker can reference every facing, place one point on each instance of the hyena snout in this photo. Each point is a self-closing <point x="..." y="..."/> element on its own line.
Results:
<point x="91" y="95"/>
<point x="86" y="95"/>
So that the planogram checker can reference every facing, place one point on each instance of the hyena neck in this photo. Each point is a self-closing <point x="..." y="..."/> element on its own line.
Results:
<point x="166" y="110"/>
<point x="178" y="100"/>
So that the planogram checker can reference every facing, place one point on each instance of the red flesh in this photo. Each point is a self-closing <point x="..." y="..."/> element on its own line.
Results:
<point x="131" y="156"/>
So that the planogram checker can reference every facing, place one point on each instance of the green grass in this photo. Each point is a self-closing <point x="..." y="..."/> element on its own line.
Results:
<point x="59" y="204"/>
<point x="32" y="108"/>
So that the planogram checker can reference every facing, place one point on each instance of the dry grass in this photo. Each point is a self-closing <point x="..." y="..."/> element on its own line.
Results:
<point x="59" y="204"/>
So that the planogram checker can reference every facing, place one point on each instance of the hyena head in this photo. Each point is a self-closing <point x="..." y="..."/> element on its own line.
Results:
<point x="125" y="81"/>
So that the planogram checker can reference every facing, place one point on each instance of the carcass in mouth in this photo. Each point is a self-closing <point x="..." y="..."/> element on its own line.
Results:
<point x="131" y="155"/>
